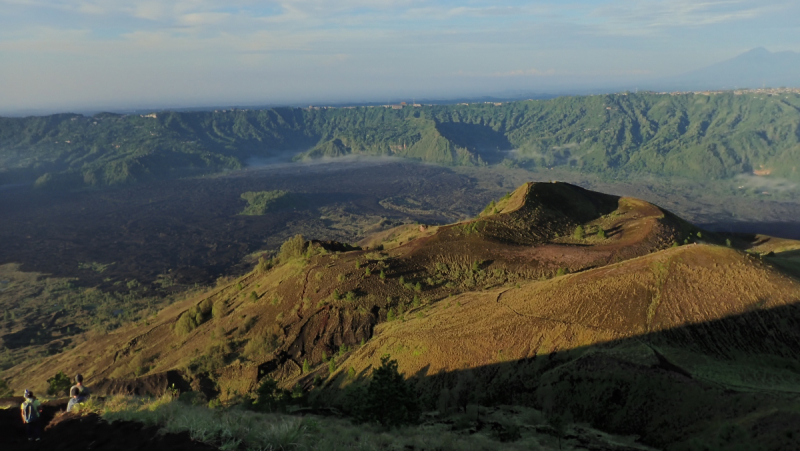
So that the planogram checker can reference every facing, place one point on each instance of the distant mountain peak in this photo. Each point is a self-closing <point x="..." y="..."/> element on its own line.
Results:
<point x="757" y="51"/>
<point x="754" y="68"/>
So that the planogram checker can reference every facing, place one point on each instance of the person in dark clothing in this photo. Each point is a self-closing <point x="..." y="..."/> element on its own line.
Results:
<point x="31" y="410"/>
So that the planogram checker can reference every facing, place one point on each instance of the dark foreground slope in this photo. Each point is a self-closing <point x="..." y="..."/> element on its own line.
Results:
<point x="73" y="432"/>
<point x="619" y="325"/>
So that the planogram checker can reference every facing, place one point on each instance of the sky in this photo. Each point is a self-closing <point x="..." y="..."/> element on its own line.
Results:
<point x="65" y="55"/>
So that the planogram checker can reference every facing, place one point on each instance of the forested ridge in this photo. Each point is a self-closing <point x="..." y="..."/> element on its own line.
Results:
<point x="696" y="136"/>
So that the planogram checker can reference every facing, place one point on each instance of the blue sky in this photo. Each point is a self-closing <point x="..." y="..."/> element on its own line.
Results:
<point x="69" y="55"/>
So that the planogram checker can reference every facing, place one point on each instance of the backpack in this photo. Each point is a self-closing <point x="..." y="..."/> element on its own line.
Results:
<point x="29" y="411"/>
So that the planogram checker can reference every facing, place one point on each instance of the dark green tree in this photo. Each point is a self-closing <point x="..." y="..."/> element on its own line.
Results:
<point x="389" y="400"/>
<point x="58" y="384"/>
<point x="270" y="397"/>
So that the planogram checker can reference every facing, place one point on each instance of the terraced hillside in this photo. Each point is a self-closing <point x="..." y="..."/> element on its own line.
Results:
<point x="591" y="307"/>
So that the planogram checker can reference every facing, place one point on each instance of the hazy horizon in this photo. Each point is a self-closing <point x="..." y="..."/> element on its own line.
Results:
<point x="107" y="54"/>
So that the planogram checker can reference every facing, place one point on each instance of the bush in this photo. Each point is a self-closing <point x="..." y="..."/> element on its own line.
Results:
<point x="579" y="233"/>
<point x="601" y="233"/>
<point x="185" y="324"/>
<point x="292" y="248"/>
<point x="58" y="384"/>
<point x="264" y="265"/>
<point x="388" y="400"/>
<point x="218" y="310"/>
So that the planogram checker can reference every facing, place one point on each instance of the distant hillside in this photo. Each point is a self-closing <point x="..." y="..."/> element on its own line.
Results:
<point x="755" y="68"/>
<point x="695" y="136"/>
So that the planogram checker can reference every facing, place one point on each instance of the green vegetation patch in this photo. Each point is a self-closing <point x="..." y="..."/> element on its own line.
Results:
<point x="260" y="202"/>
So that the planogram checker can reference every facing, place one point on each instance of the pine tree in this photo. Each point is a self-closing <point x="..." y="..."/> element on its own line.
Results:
<point x="578" y="235"/>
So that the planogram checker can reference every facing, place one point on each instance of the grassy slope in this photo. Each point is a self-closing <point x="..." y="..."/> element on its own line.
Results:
<point x="694" y="136"/>
<point x="576" y="344"/>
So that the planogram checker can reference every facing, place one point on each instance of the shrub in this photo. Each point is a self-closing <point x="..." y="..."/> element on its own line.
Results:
<point x="218" y="310"/>
<point x="306" y="367"/>
<point x="367" y="272"/>
<point x="418" y="287"/>
<point x="260" y="346"/>
<point x="58" y="384"/>
<point x="382" y="275"/>
<point x="601" y="233"/>
<point x="292" y="248"/>
<point x="185" y="324"/>
<point x="579" y="233"/>
<point x="264" y="265"/>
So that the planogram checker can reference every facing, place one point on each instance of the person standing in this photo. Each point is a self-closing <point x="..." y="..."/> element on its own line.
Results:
<point x="31" y="410"/>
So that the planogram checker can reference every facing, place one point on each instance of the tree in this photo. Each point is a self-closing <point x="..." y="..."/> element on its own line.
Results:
<point x="59" y="384"/>
<point x="270" y="397"/>
<point x="389" y="400"/>
<point x="601" y="233"/>
<point x="579" y="233"/>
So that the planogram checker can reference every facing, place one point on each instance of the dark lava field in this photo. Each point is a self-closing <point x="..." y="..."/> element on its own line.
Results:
<point x="189" y="231"/>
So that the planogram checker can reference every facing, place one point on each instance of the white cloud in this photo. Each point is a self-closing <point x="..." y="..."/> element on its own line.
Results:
<point x="525" y="73"/>
<point x="637" y="17"/>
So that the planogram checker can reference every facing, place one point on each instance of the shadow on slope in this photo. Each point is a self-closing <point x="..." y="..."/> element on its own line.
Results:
<point x="732" y="383"/>
<point x="487" y="142"/>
